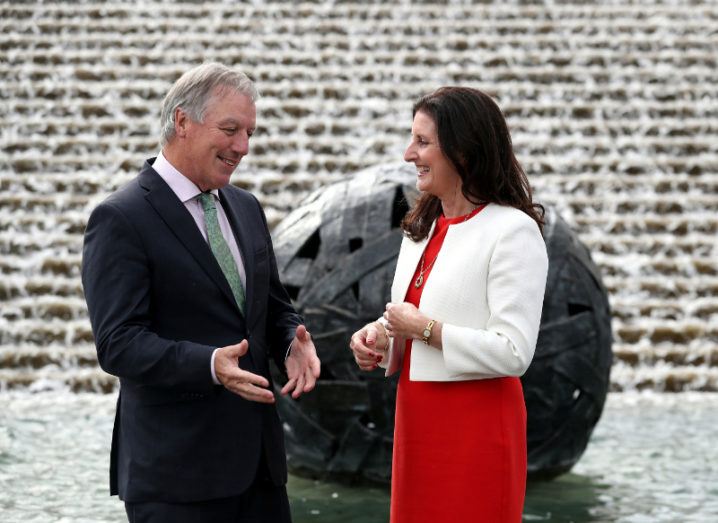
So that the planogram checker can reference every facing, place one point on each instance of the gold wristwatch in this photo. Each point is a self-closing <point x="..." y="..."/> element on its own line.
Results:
<point x="426" y="334"/>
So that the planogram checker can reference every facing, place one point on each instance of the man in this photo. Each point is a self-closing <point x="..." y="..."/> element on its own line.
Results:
<point x="186" y="308"/>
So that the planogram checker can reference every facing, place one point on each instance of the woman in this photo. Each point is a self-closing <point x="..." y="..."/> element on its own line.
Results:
<point x="464" y="318"/>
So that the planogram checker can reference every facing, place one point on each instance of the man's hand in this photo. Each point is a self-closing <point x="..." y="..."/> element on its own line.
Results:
<point x="303" y="365"/>
<point x="251" y="387"/>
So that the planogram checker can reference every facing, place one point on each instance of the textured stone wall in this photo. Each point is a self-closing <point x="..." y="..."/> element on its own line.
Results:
<point x="613" y="108"/>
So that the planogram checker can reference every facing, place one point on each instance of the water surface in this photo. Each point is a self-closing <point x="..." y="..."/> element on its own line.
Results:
<point x="653" y="458"/>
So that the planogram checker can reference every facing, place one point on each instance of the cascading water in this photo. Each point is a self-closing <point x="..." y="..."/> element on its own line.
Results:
<point x="613" y="111"/>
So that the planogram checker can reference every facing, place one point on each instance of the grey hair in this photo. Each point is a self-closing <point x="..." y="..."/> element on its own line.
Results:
<point x="193" y="90"/>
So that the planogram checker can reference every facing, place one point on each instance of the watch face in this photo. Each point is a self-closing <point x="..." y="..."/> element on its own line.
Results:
<point x="427" y="333"/>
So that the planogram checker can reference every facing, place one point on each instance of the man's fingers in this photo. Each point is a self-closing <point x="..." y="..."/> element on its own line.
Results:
<point x="238" y="349"/>
<point x="253" y="393"/>
<point x="302" y="333"/>
<point x="255" y="379"/>
<point x="288" y="386"/>
<point x="309" y="380"/>
<point x="243" y="381"/>
<point x="300" y="386"/>
<point x="251" y="387"/>
<point x="243" y="347"/>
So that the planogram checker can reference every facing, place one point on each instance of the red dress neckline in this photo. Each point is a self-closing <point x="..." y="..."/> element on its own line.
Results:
<point x="443" y="220"/>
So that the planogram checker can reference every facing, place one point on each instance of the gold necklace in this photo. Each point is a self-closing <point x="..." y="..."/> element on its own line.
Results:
<point x="419" y="281"/>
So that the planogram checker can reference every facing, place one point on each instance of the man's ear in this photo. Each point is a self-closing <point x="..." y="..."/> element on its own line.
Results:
<point x="181" y="122"/>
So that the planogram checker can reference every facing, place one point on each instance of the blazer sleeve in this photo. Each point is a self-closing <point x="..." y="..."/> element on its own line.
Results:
<point x="516" y="280"/>
<point x="116" y="280"/>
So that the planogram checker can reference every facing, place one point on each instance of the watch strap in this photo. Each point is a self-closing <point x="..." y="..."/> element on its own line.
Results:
<point x="426" y="334"/>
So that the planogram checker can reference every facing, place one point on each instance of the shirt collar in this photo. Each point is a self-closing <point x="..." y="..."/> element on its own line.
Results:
<point x="183" y="187"/>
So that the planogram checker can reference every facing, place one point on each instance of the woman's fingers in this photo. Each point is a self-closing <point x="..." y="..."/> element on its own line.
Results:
<point x="363" y="345"/>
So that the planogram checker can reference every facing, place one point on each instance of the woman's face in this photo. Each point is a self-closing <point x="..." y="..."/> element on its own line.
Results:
<point x="435" y="173"/>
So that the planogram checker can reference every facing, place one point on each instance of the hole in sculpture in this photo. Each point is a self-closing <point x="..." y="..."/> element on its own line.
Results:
<point x="355" y="244"/>
<point x="310" y="249"/>
<point x="292" y="290"/>
<point x="574" y="309"/>
<point x="399" y="208"/>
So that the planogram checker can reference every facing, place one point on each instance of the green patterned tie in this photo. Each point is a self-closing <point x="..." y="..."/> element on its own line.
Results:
<point x="220" y="249"/>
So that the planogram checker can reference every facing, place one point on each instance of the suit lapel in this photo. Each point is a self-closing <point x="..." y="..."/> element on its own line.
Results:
<point x="180" y="222"/>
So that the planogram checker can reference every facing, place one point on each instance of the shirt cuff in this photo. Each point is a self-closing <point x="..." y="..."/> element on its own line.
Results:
<point x="214" y="374"/>
<point x="289" y="349"/>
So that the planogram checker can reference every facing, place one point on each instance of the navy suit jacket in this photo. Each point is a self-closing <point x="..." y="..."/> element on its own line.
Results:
<point x="159" y="306"/>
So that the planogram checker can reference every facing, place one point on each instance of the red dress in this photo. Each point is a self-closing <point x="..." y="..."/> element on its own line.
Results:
<point x="459" y="447"/>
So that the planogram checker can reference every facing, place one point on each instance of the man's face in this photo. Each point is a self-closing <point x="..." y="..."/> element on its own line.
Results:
<point x="213" y="149"/>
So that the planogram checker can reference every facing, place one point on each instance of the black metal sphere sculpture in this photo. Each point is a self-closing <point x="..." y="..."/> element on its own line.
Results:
<point x="337" y="254"/>
<point x="566" y="384"/>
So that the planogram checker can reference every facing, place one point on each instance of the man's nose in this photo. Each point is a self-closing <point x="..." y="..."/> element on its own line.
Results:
<point x="240" y="144"/>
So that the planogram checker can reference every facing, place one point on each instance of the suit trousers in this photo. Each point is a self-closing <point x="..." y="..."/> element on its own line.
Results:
<point x="262" y="502"/>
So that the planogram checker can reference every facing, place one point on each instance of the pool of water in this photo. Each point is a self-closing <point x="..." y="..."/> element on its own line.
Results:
<point x="653" y="458"/>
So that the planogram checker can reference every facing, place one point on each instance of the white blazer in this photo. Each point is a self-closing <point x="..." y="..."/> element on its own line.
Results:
<point x="486" y="287"/>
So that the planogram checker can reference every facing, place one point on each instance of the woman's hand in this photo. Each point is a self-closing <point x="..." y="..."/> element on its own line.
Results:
<point x="404" y="320"/>
<point x="369" y="345"/>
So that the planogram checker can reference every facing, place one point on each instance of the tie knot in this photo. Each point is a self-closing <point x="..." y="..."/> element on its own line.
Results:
<point x="206" y="199"/>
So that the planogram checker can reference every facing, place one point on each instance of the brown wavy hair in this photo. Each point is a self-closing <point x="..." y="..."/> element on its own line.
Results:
<point x="475" y="138"/>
